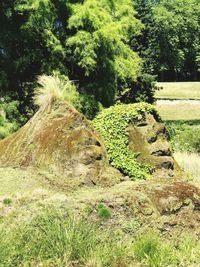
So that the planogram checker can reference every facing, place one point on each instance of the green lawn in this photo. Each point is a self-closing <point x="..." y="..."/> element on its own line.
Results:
<point x="19" y="180"/>
<point x="185" y="112"/>
<point x="179" y="90"/>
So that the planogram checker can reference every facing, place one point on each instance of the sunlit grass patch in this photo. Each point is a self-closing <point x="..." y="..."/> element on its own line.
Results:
<point x="179" y="90"/>
<point x="190" y="162"/>
<point x="175" y="112"/>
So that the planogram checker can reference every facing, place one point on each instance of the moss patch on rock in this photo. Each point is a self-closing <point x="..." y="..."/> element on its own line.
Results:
<point x="59" y="140"/>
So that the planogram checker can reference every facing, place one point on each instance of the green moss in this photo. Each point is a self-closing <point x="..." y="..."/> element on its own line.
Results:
<point x="112" y="124"/>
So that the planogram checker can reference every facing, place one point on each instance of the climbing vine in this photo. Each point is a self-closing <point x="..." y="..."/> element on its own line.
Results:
<point x="112" y="124"/>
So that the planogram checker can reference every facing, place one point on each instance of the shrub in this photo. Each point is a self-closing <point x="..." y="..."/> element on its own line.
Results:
<point x="112" y="124"/>
<point x="10" y="118"/>
<point x="88" y="105"/>
<point x="184" y="137"/>
<point x="7" y="201"/>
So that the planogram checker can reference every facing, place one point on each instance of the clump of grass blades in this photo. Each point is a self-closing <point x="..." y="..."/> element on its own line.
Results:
<point x="52" y="88"/>
<point x="45" y="236"/>
<point x="190" y="162"/>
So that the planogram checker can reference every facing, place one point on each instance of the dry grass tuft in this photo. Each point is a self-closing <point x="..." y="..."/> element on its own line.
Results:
<point x="190" y="162"/>
<point x="52" y="88"/>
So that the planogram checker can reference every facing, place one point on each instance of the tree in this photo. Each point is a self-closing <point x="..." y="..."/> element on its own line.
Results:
<point x="32" y="43"/>
<point x="177" y="27"/>
<point x="169" y="43"/>
<point x="103" y="61"/>
<point x="87" y="41"/>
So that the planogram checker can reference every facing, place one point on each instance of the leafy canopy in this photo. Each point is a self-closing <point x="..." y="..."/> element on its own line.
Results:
<point x="101" y="32"/>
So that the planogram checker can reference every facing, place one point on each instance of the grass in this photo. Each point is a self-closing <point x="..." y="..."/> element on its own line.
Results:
<point x="179" y="90"/>
<point x="14" y="181"/>
<point x="185" y="137"/>
<point x="186" y="112"/>
<point x="52" y="88"/>
<point x="45" y="235"/>
<point x="190" y="162"/>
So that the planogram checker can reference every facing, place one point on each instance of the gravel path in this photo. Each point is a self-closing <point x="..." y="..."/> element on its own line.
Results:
<point x="175" y="102"/>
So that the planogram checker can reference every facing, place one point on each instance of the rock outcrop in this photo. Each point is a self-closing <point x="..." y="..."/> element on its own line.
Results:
<point x="60" y="140"/>
<point x="149" y="138"/>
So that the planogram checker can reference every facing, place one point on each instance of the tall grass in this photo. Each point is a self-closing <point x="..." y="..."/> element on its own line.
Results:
<point x="190" y="162"/>
<point x="52" y="88"/>
<point x="43" y="235"/>
<point x="46" y="236"/>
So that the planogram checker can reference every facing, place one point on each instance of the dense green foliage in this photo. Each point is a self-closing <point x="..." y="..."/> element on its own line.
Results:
<point x="87" y="41"/>
<point x="110" y="51"/>
<point x="170" y="40"/>
<point x="100" y="45"/>
<point x="10" y="117"/>
<point x="184" y="137"/>
<point x="112" y="124"/>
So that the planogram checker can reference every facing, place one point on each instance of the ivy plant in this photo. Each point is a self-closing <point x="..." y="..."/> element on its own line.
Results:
<point x="112" y="124"/>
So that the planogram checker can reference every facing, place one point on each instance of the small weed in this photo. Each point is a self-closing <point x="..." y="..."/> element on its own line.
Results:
<point x="103" y="211"/>
<point x="7" y="201"/>
<point x="32" y="147"/>
<point x="131" y="226"/>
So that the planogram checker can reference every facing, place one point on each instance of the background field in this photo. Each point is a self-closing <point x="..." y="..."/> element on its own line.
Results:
<point x="177" y="112"/>
<point x="179" y="90"/>
<point x="179" y="106"/>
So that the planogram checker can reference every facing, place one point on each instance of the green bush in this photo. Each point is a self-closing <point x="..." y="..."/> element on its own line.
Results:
<point x="7" y="201"/>
<point x="10" y="118"/>
<point x="112" y="124"/>
<point x="88" y="105"/>
<point x="184" y="137"/>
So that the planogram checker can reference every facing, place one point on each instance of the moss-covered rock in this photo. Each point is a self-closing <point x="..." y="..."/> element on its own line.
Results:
<point x="59" y="139"/>
<point x="150" y="139"/>
<point x="136" y="140"/>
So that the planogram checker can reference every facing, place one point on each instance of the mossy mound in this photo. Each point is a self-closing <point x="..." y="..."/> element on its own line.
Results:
<point x="59" y="139"/>
<point x="136" y="139"/>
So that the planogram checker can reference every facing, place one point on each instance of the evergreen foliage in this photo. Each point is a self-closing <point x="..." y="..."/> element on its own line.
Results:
<point x="112" y="50"/>
<point x="169" y="42"/>
<point x="10" y="117"/>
